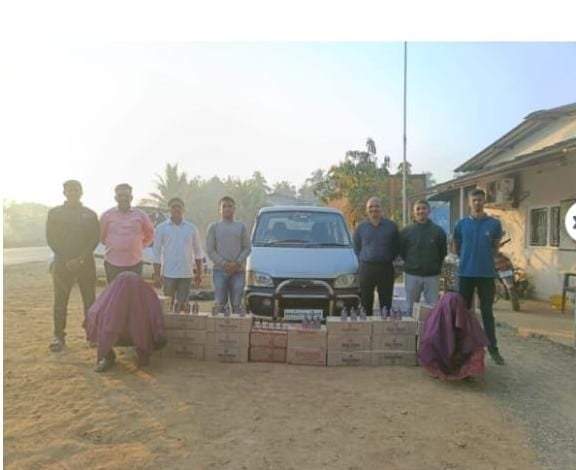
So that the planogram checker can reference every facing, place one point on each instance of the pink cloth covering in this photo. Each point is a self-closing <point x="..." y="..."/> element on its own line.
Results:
<point x="125" y="234"/>
<point x="453" y="342"/>
<point x="127" y="312"/>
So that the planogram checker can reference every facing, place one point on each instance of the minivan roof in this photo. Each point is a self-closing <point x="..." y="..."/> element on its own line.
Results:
<point x="299" y="209"/>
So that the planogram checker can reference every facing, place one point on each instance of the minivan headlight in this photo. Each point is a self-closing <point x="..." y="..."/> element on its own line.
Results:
<point x="346" y="280"/>
<point x="256" y="279"/>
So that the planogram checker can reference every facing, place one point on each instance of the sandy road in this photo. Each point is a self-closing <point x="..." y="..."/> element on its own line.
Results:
<point x="185" y="415"/>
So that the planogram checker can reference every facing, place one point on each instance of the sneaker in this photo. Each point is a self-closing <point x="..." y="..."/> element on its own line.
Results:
<point x="497" y="358"/>
<point x="57" y="344"/>
<point x="106" y="363"/>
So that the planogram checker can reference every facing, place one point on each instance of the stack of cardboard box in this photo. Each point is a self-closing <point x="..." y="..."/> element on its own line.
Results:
<point x="394" y="341"/>
<point x="228" y="338"/>
<point x="349" y="342"/>
<point x="306" y="346"/>
<point x="268" y="344"/>
<point x="186" y="335"/>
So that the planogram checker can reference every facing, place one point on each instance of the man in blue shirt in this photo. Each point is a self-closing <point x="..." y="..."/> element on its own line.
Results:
<point x="476" y="240"/>
<point x="376" y="244"/>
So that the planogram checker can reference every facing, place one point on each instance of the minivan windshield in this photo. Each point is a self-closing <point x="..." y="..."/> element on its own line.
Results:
<point x="301" y="228"/>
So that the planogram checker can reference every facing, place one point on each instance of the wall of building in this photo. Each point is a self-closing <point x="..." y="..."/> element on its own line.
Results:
<point x="547" y="186"/>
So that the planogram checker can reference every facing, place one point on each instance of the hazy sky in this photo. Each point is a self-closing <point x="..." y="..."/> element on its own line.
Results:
<point x="118" y="113"/>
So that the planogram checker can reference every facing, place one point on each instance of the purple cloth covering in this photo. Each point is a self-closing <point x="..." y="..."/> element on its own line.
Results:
<point x="452" y="344"/>
<point x="127" y="312"/>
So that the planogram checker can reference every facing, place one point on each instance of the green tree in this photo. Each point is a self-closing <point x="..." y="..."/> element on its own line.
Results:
<point x="24" y="224"/>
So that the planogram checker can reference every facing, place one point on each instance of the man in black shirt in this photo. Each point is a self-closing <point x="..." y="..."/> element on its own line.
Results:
<point x="423" y="247"/>
<point x="376" y="244"/>
<point x="72" y="232"/>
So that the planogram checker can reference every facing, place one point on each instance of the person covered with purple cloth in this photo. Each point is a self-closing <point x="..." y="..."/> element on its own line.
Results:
<point x="127" y="313"/>
<point x="453" y="341"/>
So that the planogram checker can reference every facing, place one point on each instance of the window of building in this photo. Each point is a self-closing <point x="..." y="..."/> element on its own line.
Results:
<point x="555" y="226"/>
<point x="538" y="226"/>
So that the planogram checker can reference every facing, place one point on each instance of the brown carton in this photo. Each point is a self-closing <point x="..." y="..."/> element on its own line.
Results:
<point x="181" y="321"/>
<point x="224" y="354"/>
<point x="229" y="340"/>
<point x="307" y="338"/>
<point x="267" y="354"/>
<point x="184" y="348"/>
<point x="191" y="336"/>
<point x="306" y="356"/>
<point x="230" y="324"/>
<point x="269" y="338"/>
<point x="407" y="325"/>
<point x="394" y="358"/>
<point x="336" y="325"/>
<point x="349" y="342"/>
<point x="349" y="358"/>
<point x="394" y="342"/>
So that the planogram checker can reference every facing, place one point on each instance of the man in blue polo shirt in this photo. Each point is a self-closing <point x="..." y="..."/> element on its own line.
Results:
<point x="476" y="240"/>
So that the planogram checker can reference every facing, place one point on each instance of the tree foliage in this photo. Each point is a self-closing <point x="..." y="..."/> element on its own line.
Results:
<point x="24" y="224"/>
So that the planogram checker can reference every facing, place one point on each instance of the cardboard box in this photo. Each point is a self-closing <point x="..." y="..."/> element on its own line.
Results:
<point x="269" y="338"/>
<point x="229" y="340"/>
<point x="306" y="356"/>
<point x="349" y="358"/>
<point x="349" y="342"/>
<point x="267" y="354"/>
<point x="393" y="342"/>
<point x="421" y="312"/>
<point x="231" y="324"/>
<point x="336" y="325"/>
<point x="180" y="321"/>
<point x="225" y="354"/>
<point x="405" y="326"/>
<point x="185" y="349"/>
<point x="191" y="336"/>
<point x="394" y="358"/>
<point x="307" y="338"/>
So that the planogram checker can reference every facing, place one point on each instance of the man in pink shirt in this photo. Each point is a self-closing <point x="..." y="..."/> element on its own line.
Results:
<point x="125" y="231"/>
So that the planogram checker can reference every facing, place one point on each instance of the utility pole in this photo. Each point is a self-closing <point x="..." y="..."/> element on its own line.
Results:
<point x="404" y="165"/>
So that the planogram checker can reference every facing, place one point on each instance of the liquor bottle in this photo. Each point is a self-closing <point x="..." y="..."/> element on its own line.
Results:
<point x="362" y="313"/>
<point x="354" y="314"/>
<point x="344" y="314"/>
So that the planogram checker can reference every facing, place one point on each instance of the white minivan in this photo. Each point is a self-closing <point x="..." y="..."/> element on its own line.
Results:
<point x="302" y="263"/>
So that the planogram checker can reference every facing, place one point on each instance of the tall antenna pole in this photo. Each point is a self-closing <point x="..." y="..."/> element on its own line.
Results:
<point x="404" y="165"/>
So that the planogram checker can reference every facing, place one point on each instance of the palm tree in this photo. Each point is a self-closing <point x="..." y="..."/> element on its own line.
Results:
<point x="171" y="184"/>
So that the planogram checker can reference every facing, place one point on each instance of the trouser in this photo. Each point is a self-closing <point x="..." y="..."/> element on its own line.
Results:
<point x="178" y="288"/>
<point x="416" y="285"/>
<point x="63" y="281"/>
<point x="381" y="277"/>
<point x="113" y="271"/>
<point x="228" y="288"/>
<point x="485" y="288"/>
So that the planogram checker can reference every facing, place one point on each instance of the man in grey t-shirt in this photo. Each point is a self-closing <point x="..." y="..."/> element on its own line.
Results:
<point x="228" y="246"/>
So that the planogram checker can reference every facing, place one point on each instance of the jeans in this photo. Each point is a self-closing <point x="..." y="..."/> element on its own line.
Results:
<point x="63" y="281"/>
<point x="485" y="288"/>
<point x="416" y="285"/>
<point x="228" y="287"/>
<point x="178" y="288"/>
<point x="113" y="271"/>
<point x="379" y="276"/>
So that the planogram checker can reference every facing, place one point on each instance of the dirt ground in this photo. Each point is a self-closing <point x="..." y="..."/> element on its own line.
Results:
<point x="179" y="414"/>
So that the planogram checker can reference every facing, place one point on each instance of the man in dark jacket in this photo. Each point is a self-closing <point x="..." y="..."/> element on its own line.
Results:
<point x="423" y="247"/>
<point x="376" y="244"/>
<point x="72" y="233"/>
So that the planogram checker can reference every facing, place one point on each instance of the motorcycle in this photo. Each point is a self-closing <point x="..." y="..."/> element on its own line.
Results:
<point x="508" y="285"/>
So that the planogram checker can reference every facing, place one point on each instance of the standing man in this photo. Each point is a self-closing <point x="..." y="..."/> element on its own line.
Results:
<point x="228" y="246"/>
<point x="72" y="233"/>
<point x="476" y="240"/>
<point x="177" y="256"/>
<point x="423" y="247"/>
<point x="125" y="231"/>
<point x="376" y="244"/>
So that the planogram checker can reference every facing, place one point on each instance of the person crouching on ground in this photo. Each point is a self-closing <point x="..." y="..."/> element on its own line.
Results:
<point x="423" y="247"/>
<point x="127" y="313"/>
<point x="177" y="256"/>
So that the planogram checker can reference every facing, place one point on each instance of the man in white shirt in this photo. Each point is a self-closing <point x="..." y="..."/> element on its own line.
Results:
<point x="177" y="256"/>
